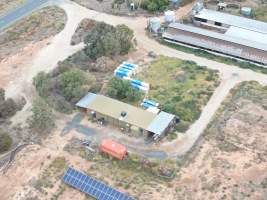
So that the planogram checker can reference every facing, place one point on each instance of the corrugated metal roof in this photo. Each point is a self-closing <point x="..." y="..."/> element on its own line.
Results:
<point x="233" y="20"/>
<point x="247" y="34"/>
<point x="86" y="100"/>
<point x="160" y="123"/>
<point x="220" y="36"/>
<point x="144" y="119"/>
<point x="113" y="108"/>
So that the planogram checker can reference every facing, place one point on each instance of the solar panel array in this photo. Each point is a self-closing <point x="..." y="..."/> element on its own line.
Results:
<point x="92" y="187"/>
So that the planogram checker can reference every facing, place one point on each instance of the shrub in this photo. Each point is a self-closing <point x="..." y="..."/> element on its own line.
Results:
<point x="42" y="119"/>
<point x="8" y="107"/>
<point x="122" y="89"/>
<point x="74" y="84"/>
<point x="155" y="5"/>
<point x="106" y="40"/>
<point x="182" y="126"/>
<point x="42" y="84"/>
<point x="5" y="142"/>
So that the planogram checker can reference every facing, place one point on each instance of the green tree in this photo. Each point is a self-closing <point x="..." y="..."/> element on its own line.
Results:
<point x="5" y="142"/>
<point x="106" y="40"/>
<point x="74" y="84"/>
<point x="122" y="89"/>
<point x="155" y="5"/>
<point x="8" y="107"/>
<point x="42" y="119"/>
<point x="125" y="36"/>
<point x="42" y="84"/>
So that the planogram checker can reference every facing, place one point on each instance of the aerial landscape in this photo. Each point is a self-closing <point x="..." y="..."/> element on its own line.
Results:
<point x="133" y="99"/>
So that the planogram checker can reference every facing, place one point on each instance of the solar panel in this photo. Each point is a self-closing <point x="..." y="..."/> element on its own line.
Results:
<point x="92" y="187"/>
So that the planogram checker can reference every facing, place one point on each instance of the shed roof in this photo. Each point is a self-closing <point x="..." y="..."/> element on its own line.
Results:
<point x="233" y="20"/>
<point x="113" y="108"/>
<point x="247" y="34"/>
<point x="86" y="100"/>
<point x="160" y="123"/>
<point x="216" y="35"/>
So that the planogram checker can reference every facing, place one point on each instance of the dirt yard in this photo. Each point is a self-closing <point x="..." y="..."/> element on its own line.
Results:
<point x="22" y="41"/>
<point x="230" y="162"/>
<point x="8" y="5"/>
<point x="227" y="163"/>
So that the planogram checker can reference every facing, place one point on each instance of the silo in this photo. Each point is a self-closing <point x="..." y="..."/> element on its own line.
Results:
<point x="169" y="16"/>
<point x="154" y="24"/>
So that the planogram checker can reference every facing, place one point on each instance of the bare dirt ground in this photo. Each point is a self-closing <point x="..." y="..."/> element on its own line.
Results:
<point x="230" y="162"/>
<point x="47" y="59"/>
<point x="36" y="27"/>
<point x="7" y="5"/>
<point x="22" y="41"/>
<point x="35" y="159"/>
<point x="227" y="163"/>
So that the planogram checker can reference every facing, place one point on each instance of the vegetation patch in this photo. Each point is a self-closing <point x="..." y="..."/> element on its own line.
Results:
<point x="155" y="5"/>
<point x="122" y="90"/>
<point x="134" y="173"/>
<point x="181" y="87"/>
<point x="210" y="56"/>
<point x="42" y="119"/>
<point x="107" y="40"/>
<point x="40" y="25"/>
<point x="260" y="13"/>
<point x="247" y="93"/>
<point x="5" y="142"/>
<point x="86" y="70"/>
<point x="84" y="27"/>
<point x="8" y="106"/>
<point x="50" y="176"/>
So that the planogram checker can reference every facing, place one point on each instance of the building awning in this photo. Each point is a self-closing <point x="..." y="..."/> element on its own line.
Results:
<point x="160" y="123"/>
<point x="86" y="100"/>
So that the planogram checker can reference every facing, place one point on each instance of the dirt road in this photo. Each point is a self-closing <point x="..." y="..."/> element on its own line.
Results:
<point x="60" y="48"/>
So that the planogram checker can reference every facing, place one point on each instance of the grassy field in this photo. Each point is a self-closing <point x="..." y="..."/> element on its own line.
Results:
<point x="181" y="87"/>
<point x="261" y="13"/>
<point x="210" y="56"/>
<point x="8" y="5"/>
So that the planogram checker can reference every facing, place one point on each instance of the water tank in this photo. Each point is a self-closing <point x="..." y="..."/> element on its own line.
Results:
<point x="154" y="24"/>
<point x="198" y="7"/>
<point x="169" y="16"/>
<point x="246" y="11"/>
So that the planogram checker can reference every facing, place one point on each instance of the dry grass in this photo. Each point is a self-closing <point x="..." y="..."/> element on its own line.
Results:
<point x="36" y="27"/>
<point x="8" y="5"/>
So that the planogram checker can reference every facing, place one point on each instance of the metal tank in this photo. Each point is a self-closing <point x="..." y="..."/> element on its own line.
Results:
<point x="169" y="16"/>
<point x="154" y="24"/>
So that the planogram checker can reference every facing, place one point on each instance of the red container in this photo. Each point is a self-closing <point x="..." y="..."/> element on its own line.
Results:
<point x="114" y="149"/>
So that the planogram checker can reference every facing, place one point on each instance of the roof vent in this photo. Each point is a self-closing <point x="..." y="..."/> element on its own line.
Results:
<point x="123" y="114"/>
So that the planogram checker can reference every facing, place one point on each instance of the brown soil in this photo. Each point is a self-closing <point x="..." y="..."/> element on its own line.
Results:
<point x="230" y="162"/>
<point x="84" y="27"/>
<point x="39" y="26"/>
